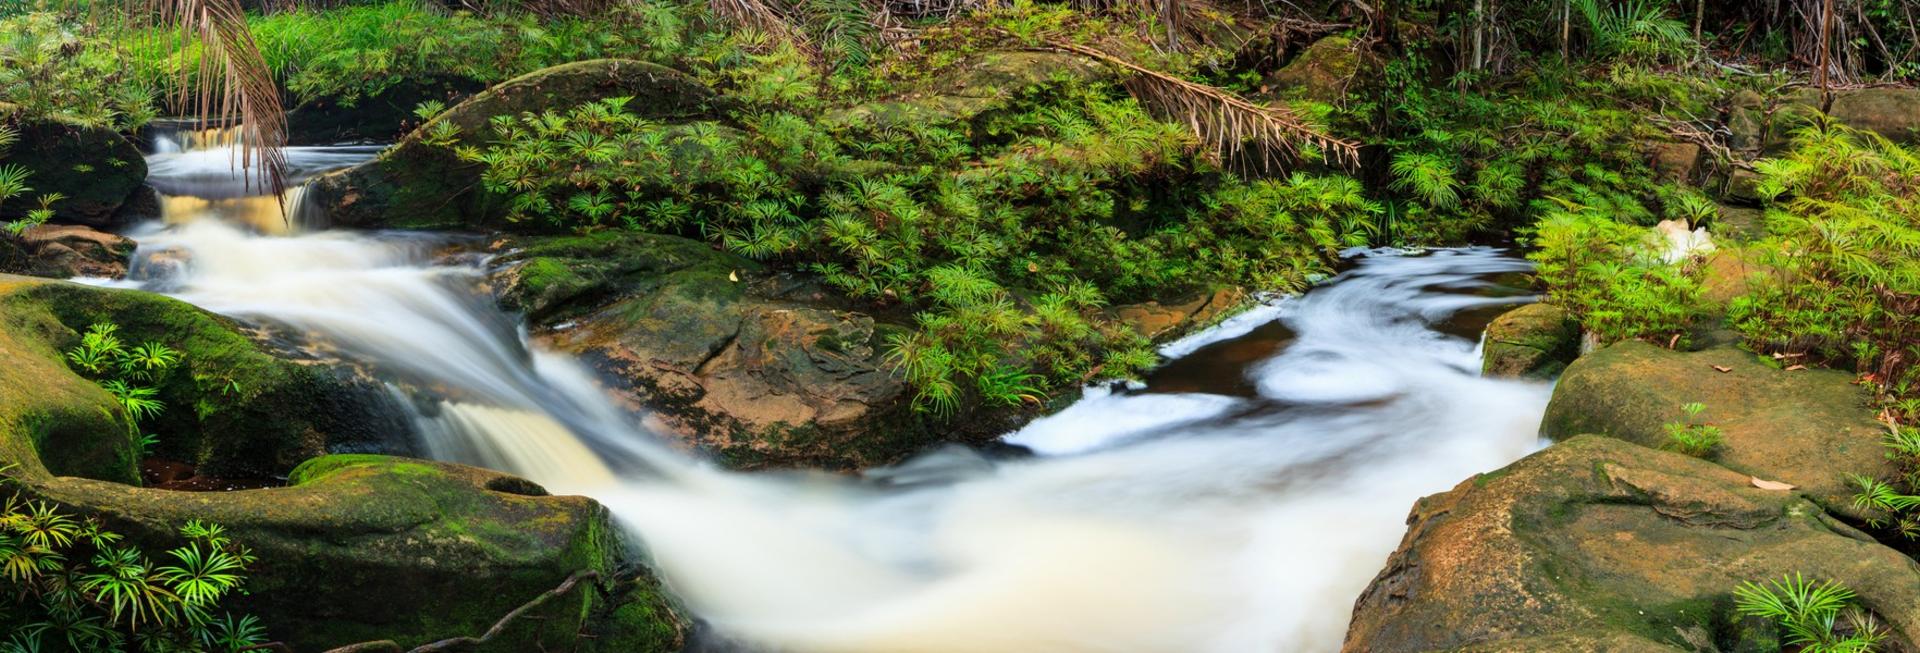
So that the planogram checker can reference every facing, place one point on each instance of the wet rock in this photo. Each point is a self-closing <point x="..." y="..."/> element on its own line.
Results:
<point x="760" y="370"/>
<point x="1808" y="427"/>
<point x="64" y="251"/>
<point x="416" y="185"/>
<point x="94" y="169"/>
<point x="1535" y="341"/>
<point x="1740" y="223"/>
<point x="1677" y="162"/>
<point x="1159" y="320"/>
<point x="1320" y="73"/>
<point x="1596" y="544"/>
<point x="234" y="409"/>
<point x="344" y="529"/>
<point x="1890" y="112"/>
<point x="413" y="533"/>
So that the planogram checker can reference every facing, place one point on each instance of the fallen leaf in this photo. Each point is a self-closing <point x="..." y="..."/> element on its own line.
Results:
<point x="1791" y="368"/>
<point x="1769" y="485"/>
<point x="1673" y="341"/>
<point x="1722" y="369"/>
<point x="733" y="275"/>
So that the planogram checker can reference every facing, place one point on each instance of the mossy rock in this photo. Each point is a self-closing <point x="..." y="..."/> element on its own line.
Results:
<point x="232" y="408"/>
<point x="381" y="117"/>
<point x="365" y="548"/>
<point x="1890" y="112"/>
<point x="420" y="186"/>
<point x="1596" y="544"/>
<point x="761" y="369"/>
<point x="1320" y="73"/>
<point x="356" y="547"/>
<point x="974" y="86"/>
<point x="94" y="169"/>
<point x="1811" y="428"/>
<point x="1535" y="341"/>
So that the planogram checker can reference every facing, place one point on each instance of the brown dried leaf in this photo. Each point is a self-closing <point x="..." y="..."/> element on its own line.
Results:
<point x="1769" y="485"/>
<point x="1722" y="369"/>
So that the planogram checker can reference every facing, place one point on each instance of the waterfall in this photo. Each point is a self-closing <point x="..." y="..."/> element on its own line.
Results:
<point x="1145" y="521"/>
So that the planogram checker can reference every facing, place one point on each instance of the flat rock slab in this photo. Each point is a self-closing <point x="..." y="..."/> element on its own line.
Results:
<point x="1596" y="544"/>
<point x="1811" y="428"/>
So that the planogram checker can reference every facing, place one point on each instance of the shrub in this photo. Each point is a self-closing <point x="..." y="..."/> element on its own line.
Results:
<point x="129" y="373"/>
<point x="1611" y="277"/>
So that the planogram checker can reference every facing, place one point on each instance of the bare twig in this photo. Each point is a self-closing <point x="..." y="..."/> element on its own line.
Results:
<point x="1224" y="121"/>
<point x="459" y="643"/>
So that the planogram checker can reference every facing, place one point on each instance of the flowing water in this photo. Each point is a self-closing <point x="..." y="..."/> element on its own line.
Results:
<point x="1237" y="501"/>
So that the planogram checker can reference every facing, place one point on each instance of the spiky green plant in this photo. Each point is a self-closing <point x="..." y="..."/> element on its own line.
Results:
<point x="1816" y="617"/>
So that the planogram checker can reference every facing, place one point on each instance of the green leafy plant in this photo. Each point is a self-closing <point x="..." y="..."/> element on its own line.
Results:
<point x="1691" y="437"/>
<point x="130" y="374"/>
<point x="74" y="585"/>
<point x="51" y="67"/>
<point x="1815" y="617"/>
<point x="1612" y="278"/>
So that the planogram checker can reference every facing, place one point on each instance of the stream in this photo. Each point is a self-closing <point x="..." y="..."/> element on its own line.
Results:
<point x="1237" y="500"/>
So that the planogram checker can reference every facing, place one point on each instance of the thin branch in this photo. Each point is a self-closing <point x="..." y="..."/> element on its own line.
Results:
<point x="458" y="643"/>
<point x="1226" y="122"/>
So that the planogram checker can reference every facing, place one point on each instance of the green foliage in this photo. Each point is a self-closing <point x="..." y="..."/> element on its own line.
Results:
<point x="129" y="373"/>
<point x="1843" y="258"/>
<point x="1612" y="278"/>
<point x="1894" y="502"/>
<point x="1007" y="234"/>
<point x="1691" y="437"/>
<point x="1815" y="617"/>
<point x="75" y="586"/>
<point x="1636" y="30"/>
<point x="353" y="52"/>
<point x="54" y="68"/>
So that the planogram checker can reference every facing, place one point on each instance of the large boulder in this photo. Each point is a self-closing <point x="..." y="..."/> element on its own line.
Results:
<point x="65" y="251"/>
<point x="1596" y="544"/>
<point x="94" y="169"/>
<point x="1535" y="341"/>
<point x="233" y="409"/>
<point x="417" y="185"/>
<point x="760" y="369"/>
<point x="1890" y="112"/>
<point x="1810" y="428"/>
<point x="355" y="547"/>
<point x="1320" y="73"/>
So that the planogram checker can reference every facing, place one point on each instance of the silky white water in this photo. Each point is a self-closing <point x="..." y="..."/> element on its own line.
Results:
<point x="1145" y="521"/>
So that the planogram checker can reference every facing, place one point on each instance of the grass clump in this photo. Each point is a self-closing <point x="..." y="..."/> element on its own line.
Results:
<point x="1692" y="437"/>
<point x="131" y="373"/>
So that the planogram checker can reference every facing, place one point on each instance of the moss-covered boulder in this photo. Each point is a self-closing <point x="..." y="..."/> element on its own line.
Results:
<point x="971" y="87"/>
<point x="1807" y="427"/>
<point x="417" y="185"/>
<point x="94" y="169"/>
<point x="233" y="408"/>
<point x="1890" y="112"/>
<point x="761" y="369"/>
<point x="1320" y="73"/>
<point x="364" y="548"/>
<point x="355" y="547"/>
<point x="1535" y="341"/>
<point x="1596" y="544"/>
<point x="65" y="251"/>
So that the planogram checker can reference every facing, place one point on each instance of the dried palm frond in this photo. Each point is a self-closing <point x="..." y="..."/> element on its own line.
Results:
<point x="765" y="18"/>
<point x="1225" y="122"/>
<point x="232" y="85"/>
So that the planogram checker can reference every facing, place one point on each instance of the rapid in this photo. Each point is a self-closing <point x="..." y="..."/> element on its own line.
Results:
<point x="1238" y="500"/>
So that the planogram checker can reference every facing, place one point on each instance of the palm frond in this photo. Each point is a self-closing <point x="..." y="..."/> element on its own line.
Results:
<point x="763" y="17"/>
<point x="1225" y="122"/>
<point x="233" y="83"/>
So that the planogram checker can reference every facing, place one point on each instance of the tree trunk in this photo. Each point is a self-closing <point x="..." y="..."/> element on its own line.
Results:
<point x="1566" y="27"/>
<point x="1479" y="34"/>
<point x="1826" y="48"/>
<point x="1699" y="18"/>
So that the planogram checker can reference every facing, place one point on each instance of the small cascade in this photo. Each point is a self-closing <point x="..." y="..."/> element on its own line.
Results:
<point x="202" y="172"/>
<point x="1208" y="517"/>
